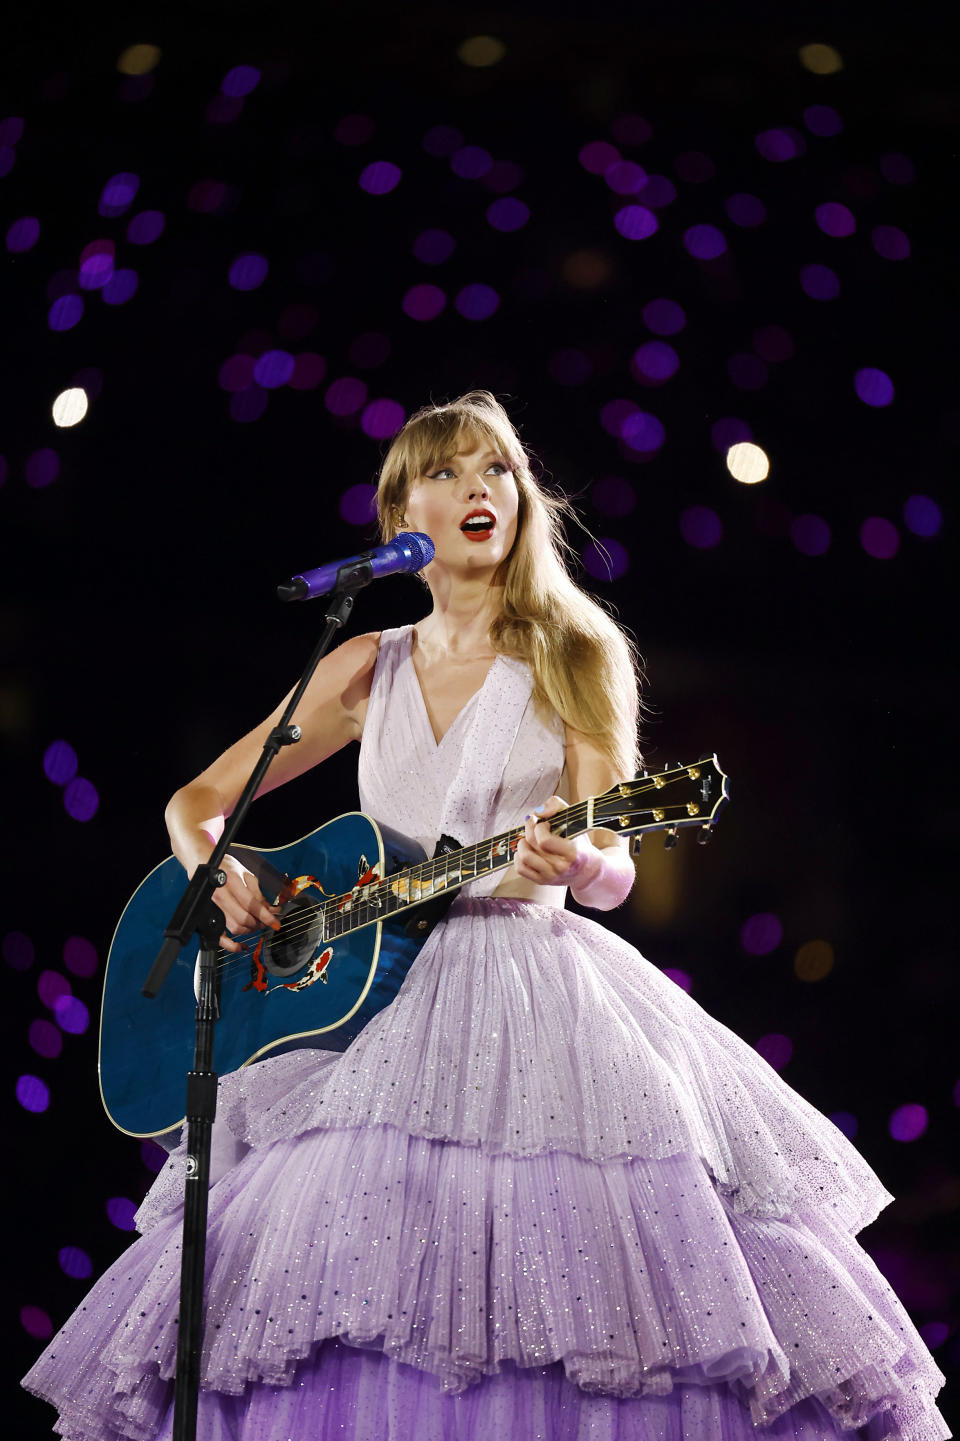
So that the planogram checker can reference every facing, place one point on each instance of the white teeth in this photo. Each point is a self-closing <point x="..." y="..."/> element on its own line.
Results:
<point x="479" y="523"/>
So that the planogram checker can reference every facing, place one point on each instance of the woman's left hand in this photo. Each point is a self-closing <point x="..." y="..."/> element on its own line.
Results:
<point x="544" y="857"/>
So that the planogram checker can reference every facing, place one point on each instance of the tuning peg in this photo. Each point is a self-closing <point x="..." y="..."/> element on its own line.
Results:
<point x="704" y="835"/>
<point x="670" y="839"/>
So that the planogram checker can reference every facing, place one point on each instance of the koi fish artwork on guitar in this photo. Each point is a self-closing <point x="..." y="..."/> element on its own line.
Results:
<point x="354" y="924"/>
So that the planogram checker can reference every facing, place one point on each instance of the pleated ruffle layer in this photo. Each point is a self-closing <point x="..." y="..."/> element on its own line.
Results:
<point x="637" y="1276"/>
<point x="528" y="1029"/>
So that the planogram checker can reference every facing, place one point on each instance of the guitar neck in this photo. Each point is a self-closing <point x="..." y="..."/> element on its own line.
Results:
<point x="380" y="898"/>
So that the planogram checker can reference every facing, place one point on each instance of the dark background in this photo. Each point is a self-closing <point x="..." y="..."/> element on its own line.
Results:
<point x="138" y="619"/>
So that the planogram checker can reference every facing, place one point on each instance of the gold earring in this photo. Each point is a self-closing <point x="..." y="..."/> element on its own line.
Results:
<point x="401" y="520"/>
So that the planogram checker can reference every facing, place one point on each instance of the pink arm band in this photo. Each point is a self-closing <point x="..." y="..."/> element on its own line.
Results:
<point x="599" y="878"/>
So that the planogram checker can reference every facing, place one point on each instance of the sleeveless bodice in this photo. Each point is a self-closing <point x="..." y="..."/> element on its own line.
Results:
<point x="500" y="757"/>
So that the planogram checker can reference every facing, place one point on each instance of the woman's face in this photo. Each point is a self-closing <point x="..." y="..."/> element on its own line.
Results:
<point x="468" y="506"/>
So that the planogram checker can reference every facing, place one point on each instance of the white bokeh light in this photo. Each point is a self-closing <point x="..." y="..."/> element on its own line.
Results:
<point x="70" y="407"/>
<point x="747" y="463"/>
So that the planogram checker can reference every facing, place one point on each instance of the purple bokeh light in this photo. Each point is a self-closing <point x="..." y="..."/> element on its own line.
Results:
<point x="379" y="177"/>
<point x="846" y="1122"/>
<point x="423" y="302"/>
<point x="701" y="527"/>
<point x="779" y="144"/>
<point x="655" y="360"/>
<point x="890" y="242"/>
<point x="477" y="301"/>
<point x="121" y="287"/>
<point x="382" y="418"/>
<point x="605" y="559"/>
<point x="908" y="1123"/>
<point x="8" y="158"/>
<point x="433" y="247"/>
<point x="118" y="194"/>
<point x="441" y="140"/>
<point x="146" y="227"/>
<point x="897" y="169"/>
<point x="154" y="1157"/>
<point x="643" y="432"/>
<point x="636" y="222"/>
<point x="65" y="313"/>
<point x="36" y="1322"/>
<point x="17" y="950"/>
<point x="879" y="537"/>
<point x="309" y="369"/>
<point x="694" y="167"/>
<point x="874" y="387"/>
<point x="822" y="120"/>
<point x="810" y="534"/>
<point x="679" y="978"/>
<point x="819" y="282"/>
<point x="612" y="495"/>
<point x="95" y="270"/>
<point x="80" y="799"/>
<point x="45" y="1038"/>
<point x="346" y="396"/>
<point x="775" y="1048"/>
<point x="296" y="321"/>
<point x="922" y="516"/>
<point x="120" y="1213"/>
<point x="236" y="373"/>
<point x="934" y="1333"/>
<point x="570" y="366"/>
<point x="704" y="242"/>
<point x="11" y="130"/>
<point x="503" y="176"/>
<point x="75" y="1262"/>
<point x="33" y="1093"/>
<point x="625" y="177"/>
<point x="71" y="1015"/>
<point x="51" y="986"/>
<point x="42" y="468"/>
<point x="614" y="413"/>
<point x="80" y="956"/>
<point x="247" y="406"/>
<point x="471" y="162"/>
<point x="358" y="504"/>
<point x="835" y="219"/>
<point x="60" y="762"/>
<point x="747" y="372"/>
<point x="761" y="933"/>
<point x="248" y="271"/>
<point x="663" y="317"/>
<point x="745" y="210"/>
<point x="273" y="369"/>
<point x="23" y="234"/>
<point x="508" y="213"/>
<point x="658" y="192"/>
<point x="240" y="81"/>
<point x="597" y="156"/>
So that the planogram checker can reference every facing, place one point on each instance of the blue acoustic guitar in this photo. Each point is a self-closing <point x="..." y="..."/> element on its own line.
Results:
<point x="357" y="903"/>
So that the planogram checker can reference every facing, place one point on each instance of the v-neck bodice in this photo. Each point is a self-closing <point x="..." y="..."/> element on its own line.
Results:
<point x="498" y="758"/>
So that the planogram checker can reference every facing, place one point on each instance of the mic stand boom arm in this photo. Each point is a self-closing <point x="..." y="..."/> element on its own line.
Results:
<point x="197" y="913"/>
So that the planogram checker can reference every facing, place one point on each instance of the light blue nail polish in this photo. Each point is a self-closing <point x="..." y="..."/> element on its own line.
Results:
<point x="539" y="810"/>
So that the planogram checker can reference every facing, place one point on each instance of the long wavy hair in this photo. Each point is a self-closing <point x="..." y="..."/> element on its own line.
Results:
<point x="584" y="665"/>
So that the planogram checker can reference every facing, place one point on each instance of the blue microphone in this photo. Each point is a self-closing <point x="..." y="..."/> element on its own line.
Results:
<point x="408" y="552"/>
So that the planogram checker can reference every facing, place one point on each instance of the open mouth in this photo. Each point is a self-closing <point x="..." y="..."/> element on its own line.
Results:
<point x="478" y="526"/>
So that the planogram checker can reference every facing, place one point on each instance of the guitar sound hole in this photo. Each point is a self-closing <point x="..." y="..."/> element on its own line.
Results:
<point x="290" y="948"/>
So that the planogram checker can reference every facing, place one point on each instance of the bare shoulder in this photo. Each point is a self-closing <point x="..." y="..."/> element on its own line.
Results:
<point x="345" y="676"/>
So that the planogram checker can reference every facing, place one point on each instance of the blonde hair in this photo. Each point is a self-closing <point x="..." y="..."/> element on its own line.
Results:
<point x="583" y="663"/>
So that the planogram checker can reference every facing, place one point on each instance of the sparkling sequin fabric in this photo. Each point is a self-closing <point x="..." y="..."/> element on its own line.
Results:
<point x="543" y="1195"/>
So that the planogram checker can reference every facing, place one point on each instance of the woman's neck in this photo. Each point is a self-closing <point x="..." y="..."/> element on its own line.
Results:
<point x="464" y="608"/>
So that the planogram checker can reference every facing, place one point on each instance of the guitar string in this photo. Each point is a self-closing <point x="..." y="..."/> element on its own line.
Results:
<point x="368" y="906"/>
<point x="366" y="911"/>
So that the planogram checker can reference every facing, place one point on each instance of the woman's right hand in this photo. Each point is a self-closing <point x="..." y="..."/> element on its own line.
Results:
<point x="243" y="904"/>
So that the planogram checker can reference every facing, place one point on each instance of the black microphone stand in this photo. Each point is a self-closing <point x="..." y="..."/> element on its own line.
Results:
<point x="198" y="914"/>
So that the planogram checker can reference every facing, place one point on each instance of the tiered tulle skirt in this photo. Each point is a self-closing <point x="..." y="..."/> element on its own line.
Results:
<point x="543" y="1194"/>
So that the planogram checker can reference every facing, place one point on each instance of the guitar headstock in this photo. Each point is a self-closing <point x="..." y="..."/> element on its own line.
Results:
<point x="668" y="800"/>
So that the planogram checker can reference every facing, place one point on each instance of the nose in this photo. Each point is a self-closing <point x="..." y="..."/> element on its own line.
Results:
<point x="477" y="488"/>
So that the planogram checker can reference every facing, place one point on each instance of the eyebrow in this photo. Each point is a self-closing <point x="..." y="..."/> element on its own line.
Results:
<point x="487" y="455"/>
